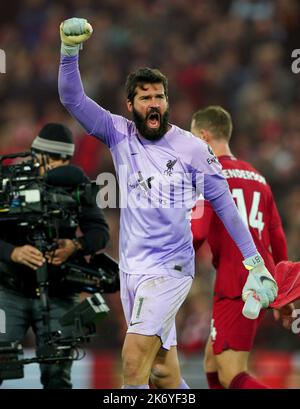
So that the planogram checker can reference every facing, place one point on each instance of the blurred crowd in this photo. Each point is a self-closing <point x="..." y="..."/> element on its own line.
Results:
<point x="236" y="53"/>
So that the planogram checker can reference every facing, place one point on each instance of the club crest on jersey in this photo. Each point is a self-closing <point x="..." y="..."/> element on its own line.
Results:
<point x="170" y="165"/>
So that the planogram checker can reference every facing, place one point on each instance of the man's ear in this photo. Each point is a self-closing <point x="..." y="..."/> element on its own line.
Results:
<point x="205" y="135"/>
<point x="129" y="105"/>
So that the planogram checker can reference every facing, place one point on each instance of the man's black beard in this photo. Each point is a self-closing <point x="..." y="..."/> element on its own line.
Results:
<point x="148" y="133"/>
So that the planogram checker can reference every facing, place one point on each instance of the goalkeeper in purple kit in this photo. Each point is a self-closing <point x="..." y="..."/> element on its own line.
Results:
<point x="155" y="161"/>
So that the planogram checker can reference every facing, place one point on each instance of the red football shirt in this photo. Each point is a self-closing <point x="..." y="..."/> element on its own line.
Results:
<point x="256" y="205"/>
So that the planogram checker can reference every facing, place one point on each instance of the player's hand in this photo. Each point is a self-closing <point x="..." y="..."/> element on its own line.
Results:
<point x="66" y="248"/>
<point x="73" y="32"/>
<point x="259" y="281"/>
<point x="28" y="255"/>
<point x="285" y="313"/>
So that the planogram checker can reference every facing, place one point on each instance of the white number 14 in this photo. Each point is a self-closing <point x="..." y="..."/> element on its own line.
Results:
<point x="255" y="219"/>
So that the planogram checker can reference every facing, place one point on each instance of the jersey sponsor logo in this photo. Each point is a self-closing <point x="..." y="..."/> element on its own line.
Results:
<point x="170" y="167"/>
<point x="144" y="184"/>
<point x="214" y="158"/>
<point x="149" y="182"/>
<point x="159" y="190"/>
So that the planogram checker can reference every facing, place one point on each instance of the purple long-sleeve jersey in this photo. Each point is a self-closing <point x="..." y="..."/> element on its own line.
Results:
<point x="160" y="182"/>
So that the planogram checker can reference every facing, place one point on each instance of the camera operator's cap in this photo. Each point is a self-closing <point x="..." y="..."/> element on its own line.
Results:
<point x="56" y="139"/>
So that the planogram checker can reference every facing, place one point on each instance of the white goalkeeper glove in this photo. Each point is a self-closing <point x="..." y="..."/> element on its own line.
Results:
<point x="73" y="32"/>
<point x="259" y="281"/>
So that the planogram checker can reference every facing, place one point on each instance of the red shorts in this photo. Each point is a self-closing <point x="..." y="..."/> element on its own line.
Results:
<point x="229" y="328"/>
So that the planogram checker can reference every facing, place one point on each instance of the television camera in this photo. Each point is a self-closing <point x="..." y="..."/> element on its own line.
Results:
<point x="39" y="205"/>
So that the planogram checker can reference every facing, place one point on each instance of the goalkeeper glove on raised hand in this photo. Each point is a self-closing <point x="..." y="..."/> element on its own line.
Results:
<point x="259" y="281"/>
<point x="73" y="32"/>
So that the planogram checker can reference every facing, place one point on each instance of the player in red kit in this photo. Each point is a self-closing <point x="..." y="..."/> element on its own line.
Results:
<point x="232" y="334"/>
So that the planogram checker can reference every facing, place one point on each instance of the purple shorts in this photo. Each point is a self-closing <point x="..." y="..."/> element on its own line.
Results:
<point x="151" y="302"/>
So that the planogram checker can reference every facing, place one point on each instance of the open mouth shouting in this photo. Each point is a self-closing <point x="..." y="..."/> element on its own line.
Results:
<point x="153" y="120"/>
<point x="152" y="126"/>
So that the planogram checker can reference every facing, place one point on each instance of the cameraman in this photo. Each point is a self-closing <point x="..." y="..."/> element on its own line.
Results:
<point x="19" y="260"/>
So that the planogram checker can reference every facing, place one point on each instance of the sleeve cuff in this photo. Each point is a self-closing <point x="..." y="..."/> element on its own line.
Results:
<point x="5" y="251"/>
